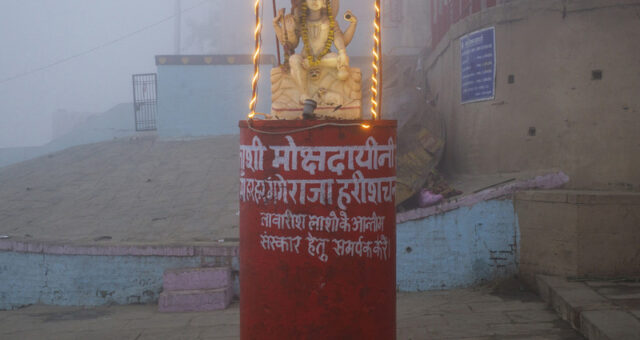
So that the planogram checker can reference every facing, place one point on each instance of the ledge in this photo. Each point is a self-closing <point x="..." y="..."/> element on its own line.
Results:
<point x="212" y="59"/>
<point x="547" y="181"/>
<point x="53" y="248"/>
<point x="581" y="197"/>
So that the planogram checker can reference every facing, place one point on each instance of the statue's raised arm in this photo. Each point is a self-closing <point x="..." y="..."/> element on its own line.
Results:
<point x="351" y="30"/>
<point x="335" y="6"/>
<point x="285" y="28"/>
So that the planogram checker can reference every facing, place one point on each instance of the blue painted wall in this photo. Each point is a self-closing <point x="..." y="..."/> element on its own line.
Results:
<point x="207" y="100"/>
<point x="460" y="248"/>
<point x="78" y="280"/>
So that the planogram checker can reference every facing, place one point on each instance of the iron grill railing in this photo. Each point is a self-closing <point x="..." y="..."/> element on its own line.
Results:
<point x="145" y="101"/>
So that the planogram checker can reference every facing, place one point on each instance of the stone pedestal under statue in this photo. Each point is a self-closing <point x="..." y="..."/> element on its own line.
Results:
<point x="336" y="98"/>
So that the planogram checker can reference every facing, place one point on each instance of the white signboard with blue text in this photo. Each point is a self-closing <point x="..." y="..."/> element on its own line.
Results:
<point x="478" y="65"/>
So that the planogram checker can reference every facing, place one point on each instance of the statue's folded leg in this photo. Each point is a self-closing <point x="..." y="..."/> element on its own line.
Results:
<point x="343" y="72"/>
<point x="333" y="60"/>
<point x="299" y="74"/>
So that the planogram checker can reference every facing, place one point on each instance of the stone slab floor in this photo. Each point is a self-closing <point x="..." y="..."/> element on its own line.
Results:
<point x="499" y="312"/>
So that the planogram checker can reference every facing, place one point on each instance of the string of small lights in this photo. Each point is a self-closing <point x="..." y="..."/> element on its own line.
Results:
<point x="376" y="75"/>
<point x="256" y="62"/>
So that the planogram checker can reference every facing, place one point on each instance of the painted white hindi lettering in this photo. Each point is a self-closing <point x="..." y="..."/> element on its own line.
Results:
<point x="363" y="224"/>
<point x="316" y="247"/>
<point x="378" y="248"/>
<point x="279" y="190"/>
<point x="287" y="156"/>
<point x="313" y="159"/>
<point x="282" y="243"/>
<point x="358" y="189"/>
<point x="338" y="181"/>
<point x="286" y="221"/>
<point x="252" y="156"/>
<point x="317" y="159"/>
<point x="365" y="190"/>
<point x="333" y="223"/>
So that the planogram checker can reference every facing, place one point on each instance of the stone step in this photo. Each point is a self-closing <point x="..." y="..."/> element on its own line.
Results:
<point x="570" y="299"/>
<point x="609" y="325"/>
<point x="588" y="312"/>
<point x="196" y="300"/>
<point x="196" y="278"/>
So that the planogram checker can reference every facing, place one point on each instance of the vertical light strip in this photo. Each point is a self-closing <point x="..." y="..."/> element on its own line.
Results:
<point x="377" y="55"/>
<point x="256" y="63"/>
<point x="379" y="60"/>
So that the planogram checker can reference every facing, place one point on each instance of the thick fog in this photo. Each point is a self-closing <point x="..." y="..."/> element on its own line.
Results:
<point x="37" y="33"/>
<point x="77" y="56"/>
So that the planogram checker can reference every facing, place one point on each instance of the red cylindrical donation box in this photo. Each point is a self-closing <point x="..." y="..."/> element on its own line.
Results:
<point x="317" y="229"/>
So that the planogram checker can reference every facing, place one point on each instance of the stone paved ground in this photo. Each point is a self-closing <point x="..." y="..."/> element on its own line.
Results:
<point x="138" y="191"/>
<point x="134" y="191"/>
<point x="626" y="295"/>
<point x="465" y="314"/>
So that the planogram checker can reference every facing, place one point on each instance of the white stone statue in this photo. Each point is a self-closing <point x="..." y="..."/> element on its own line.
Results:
<point x="316" y="72"/>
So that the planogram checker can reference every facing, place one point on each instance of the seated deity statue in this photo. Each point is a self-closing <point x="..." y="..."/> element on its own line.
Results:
<point x="316" y="72"/>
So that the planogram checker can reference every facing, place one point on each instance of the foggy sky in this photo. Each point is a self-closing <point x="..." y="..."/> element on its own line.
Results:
<point x="36" y="33"/>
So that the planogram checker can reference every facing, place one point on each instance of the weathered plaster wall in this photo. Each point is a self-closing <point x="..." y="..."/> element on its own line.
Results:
<point x="207" y="100"/>
<point x="77" y="280"/>
<point x="588" y="128"/>
<point x="579" y="233"/>
<point x="459" y="248"/>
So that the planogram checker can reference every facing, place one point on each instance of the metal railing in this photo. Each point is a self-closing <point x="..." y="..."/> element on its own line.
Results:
<point x="145" y="101"/>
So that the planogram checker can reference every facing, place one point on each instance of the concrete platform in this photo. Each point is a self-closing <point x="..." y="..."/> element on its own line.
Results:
<point x="196" y="278"/>
<point x="488" y="313"/>
<point x="195" y="300"/>
<point x="600" y="310"/>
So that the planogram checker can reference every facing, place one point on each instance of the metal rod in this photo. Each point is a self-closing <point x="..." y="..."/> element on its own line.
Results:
<point x="277" y="41"/>
<point x="135" y="109"/>
<point x="178" y="27"/>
